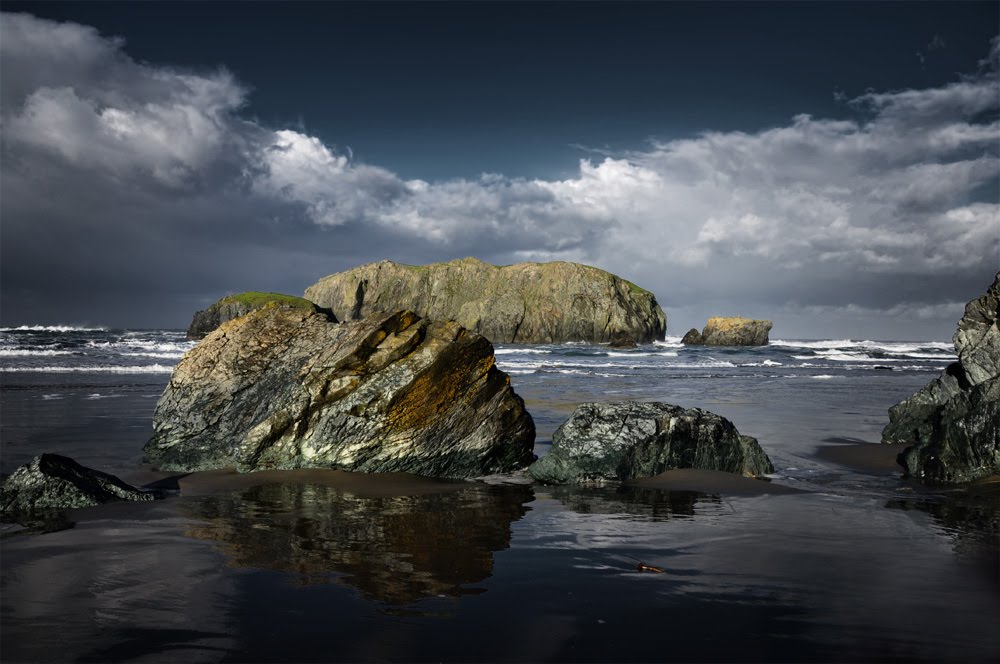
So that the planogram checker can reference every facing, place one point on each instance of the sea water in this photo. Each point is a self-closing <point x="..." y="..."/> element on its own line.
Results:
<point x="858" y="565"/>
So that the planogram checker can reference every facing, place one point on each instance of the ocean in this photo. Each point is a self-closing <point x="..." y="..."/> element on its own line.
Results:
<point x="835" y="559"/>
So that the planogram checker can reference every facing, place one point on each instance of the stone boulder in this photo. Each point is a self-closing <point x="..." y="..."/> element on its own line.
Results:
<point x="630" y="440"/>
<point x="523" y="303"/>
<point x="954" y="421"/>
<point x="289" y="388"/>
<point x="234" y="306"/>
<point x="54" y="482"/>
<point x="733" y="331"/>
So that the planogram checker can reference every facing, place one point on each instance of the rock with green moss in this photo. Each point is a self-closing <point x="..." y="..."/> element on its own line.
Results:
<point x="524" y="303"/>
<point x="730" y="331"/>
<point x="953" y="423"/>
<point x="54" y="482"/>
<point x="624" y="441"/>
<point x="288" y="388"/>
<point x="234" y="306"/>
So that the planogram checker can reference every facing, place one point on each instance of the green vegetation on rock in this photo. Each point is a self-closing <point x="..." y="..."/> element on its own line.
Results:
<point x="240" y="304"/>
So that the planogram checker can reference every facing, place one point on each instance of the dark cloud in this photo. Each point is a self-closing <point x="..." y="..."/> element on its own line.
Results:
<point x="134" y="193"/>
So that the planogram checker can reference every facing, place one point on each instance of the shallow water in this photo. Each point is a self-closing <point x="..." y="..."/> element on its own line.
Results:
<point x="321" y="566"/>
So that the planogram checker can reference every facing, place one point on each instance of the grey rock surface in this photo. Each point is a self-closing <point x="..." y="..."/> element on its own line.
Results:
<point x="977" y="339"/>
<point x="54" y="482"/>
<point x="953" y="422"/>
<point x="630" y="440"/>
<point x="523" y="303"/>
<point x="288" y="388"/>
<point x="692" y="338"/>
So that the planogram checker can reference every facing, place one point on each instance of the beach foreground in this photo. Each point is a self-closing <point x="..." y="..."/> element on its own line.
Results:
<point x="836" y="558"/>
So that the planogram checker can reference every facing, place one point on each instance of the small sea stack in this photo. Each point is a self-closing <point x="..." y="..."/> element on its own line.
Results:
<point x="240" y="304"/>
<point x="730" y="331"/>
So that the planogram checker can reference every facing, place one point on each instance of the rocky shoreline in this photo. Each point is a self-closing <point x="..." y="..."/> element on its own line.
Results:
<point x="287" y="386"/>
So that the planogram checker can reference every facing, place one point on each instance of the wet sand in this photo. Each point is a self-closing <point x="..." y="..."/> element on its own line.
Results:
<point x="863" y="456"/>
<point x="713" y="482"/>
<point x="366" y="485"/>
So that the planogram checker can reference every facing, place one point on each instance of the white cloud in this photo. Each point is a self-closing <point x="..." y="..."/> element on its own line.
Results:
<point x="894" y="193"/>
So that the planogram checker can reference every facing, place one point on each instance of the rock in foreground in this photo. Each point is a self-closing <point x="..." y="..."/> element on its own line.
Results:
<point x="288" y="388"/>
<point x="630" y="440"/>
<point x="735" y="331"/>
<point x="523" y="303"/>
<point x="234" y="306"/>
<point x="54" y="482"/>
<point x="954" y="421"/>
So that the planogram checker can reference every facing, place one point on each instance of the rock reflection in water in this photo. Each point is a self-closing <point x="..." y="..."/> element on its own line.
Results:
<point x="635" y="501"/>
<point x="394" y="549"/>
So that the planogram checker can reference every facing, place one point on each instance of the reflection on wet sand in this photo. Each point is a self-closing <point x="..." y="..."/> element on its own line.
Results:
<point x="394" y="549"/>
<point x="632" y="500"/>
<point x="970" y="518"/>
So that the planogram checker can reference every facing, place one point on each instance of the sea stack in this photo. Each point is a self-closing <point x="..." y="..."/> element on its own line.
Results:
<point x="234" y="306"/>
<point x="291" y="388"/>
<point x="524" y="303"/>
<point x="731" y="331"/>
<point x="953" y="423"/>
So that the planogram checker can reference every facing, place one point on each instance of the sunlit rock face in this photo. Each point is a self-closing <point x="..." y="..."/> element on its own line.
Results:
<point x="731" y="331"/>
<point x="290" y="388"/>
<point x="524" y="303"/>
<point x="630" y="440"/>
<point x="392" y="548"/>
<point x="954" y="421"/>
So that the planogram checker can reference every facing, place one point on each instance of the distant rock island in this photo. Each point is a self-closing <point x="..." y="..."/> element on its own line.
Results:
<point x="523" y="303"/>
<point x="733" y="331"/>
<point x="234" y="306"/>
<point x="285" y="387"/>
<point x="954" y="421"/>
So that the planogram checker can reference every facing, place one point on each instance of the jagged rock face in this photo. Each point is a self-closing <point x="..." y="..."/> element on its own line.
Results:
<point x="954" y="421"/>
<point x="914" y="418"/>
<point x="54" y="482"/>
<point x="735" y="331"/>
<point x="234" y="306"/>
<point x="523" y="303"/>
<point x="977" y="340"/>
<point x="624" y="441"/>
<point x="961" y="441"/>
<point x="287" y="388"/>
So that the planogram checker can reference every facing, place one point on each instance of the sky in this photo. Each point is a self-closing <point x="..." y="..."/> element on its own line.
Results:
<point x="833" y="167"/>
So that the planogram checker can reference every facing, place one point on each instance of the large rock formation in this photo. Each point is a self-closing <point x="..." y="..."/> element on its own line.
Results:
<point x="735" y="331"/>
<point x="234" y="306"/>
<point x="288" y="388"/>
<point x="54" y="482"/>
<point x="523" y="303"/>
<point x="624" y="441"/>
<point x="954" y="421"/>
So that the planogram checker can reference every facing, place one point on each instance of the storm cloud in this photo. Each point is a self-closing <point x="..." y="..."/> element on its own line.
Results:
<point x="134" y="192"/>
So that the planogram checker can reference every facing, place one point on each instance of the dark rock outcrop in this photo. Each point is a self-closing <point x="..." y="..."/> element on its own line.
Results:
<point x="523" y="303"/>
<point x="692" y="338"/>
<point x="735" y="331"/>
<point x="234" y="306"/>
<point x="286" y="388"/>
<point x="630" y="440"/>
<point x="54" y="482"/>
<point x="622" y="340"/>
<point x="954" y="421"/>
